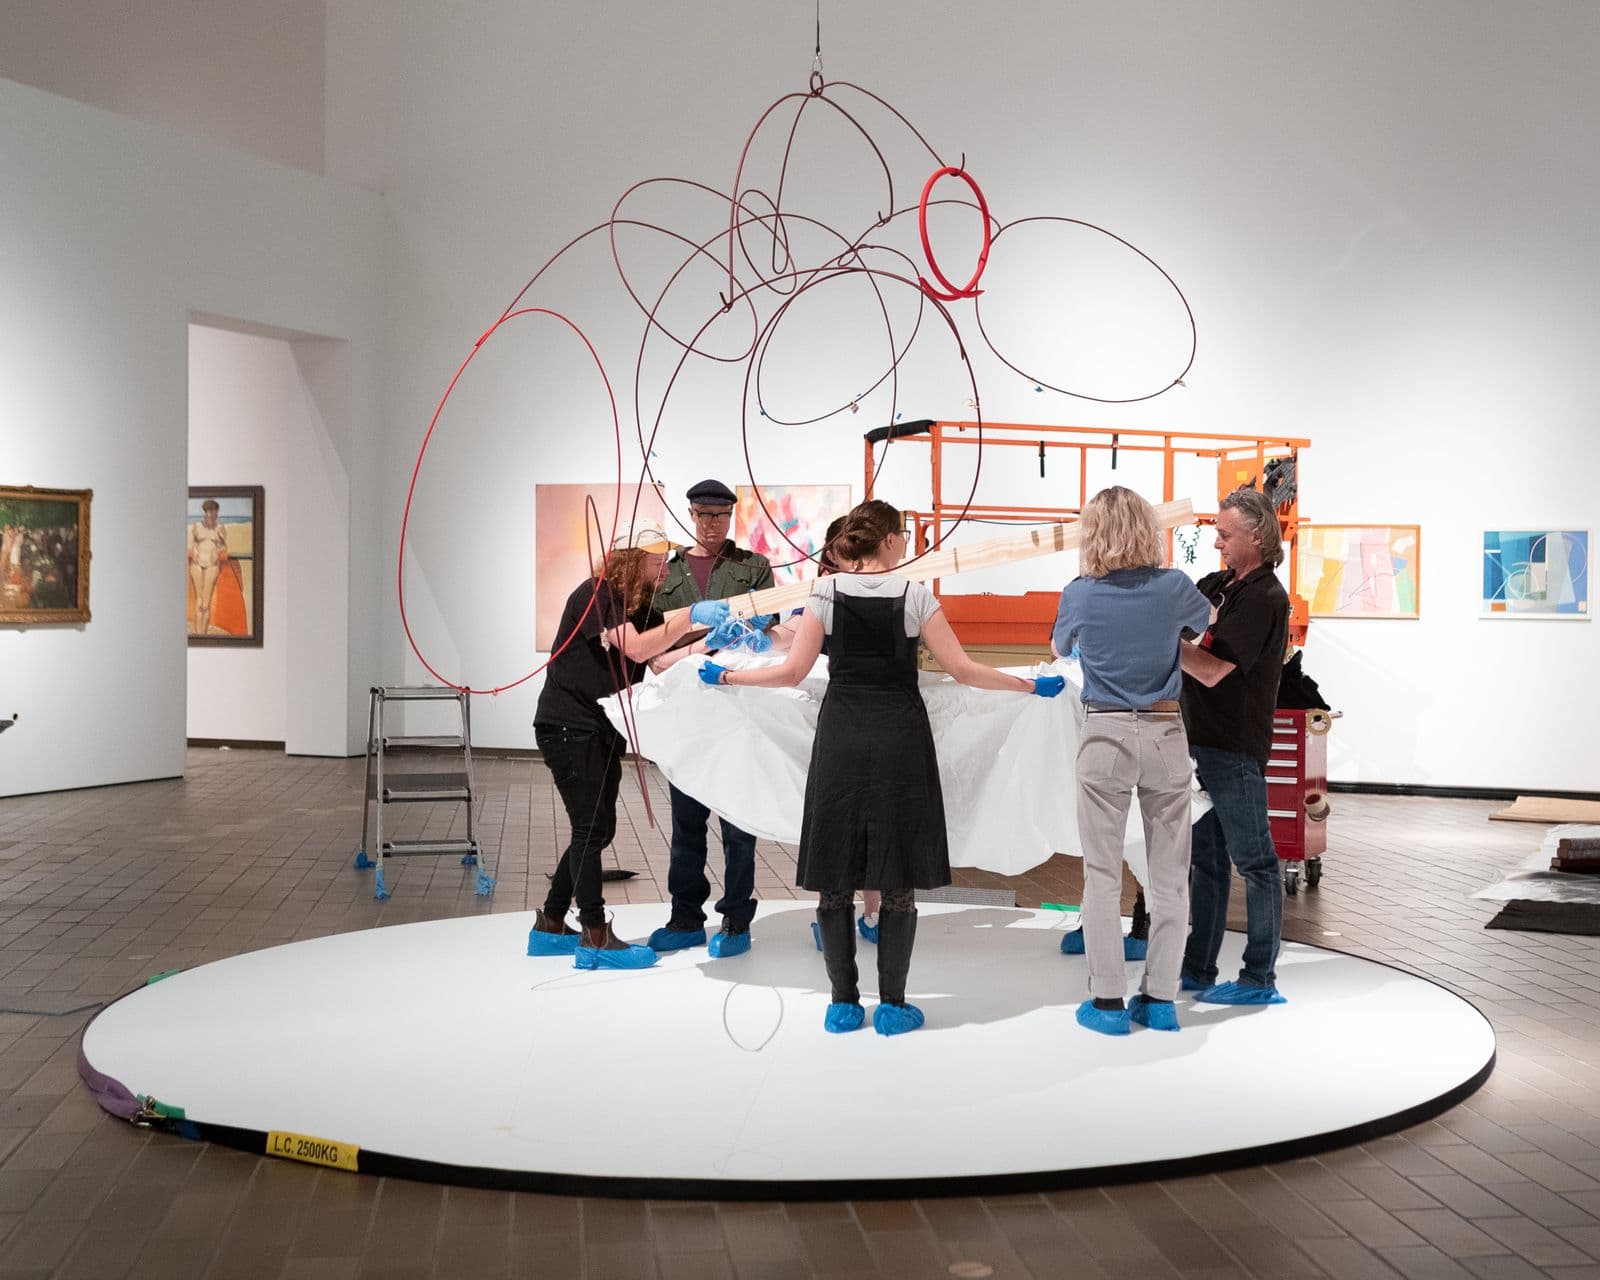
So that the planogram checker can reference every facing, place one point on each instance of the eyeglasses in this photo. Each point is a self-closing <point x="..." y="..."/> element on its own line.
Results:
<point x="722" y="513"/>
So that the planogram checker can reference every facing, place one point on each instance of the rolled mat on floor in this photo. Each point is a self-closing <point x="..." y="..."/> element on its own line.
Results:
<point x="1548" y="917"/>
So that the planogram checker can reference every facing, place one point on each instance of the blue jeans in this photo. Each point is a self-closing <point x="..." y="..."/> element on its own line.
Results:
<point x="1234" y="832"/>
<point x="686" y="872"/>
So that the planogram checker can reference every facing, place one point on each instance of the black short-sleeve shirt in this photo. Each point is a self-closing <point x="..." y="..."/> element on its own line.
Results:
<point x="1251" y="631"/>
<point x="586" y="670"/>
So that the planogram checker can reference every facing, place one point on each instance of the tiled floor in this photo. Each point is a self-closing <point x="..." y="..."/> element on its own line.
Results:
<point x="99" y="889"/>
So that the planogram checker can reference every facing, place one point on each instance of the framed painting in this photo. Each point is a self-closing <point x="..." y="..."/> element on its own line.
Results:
<point x="44" y="556"/>
<point x="791" y="528"/>
<point x="564" y="536"/>
<point x="1536" y="573"/>
<point x="226" y="533"/>
<point x="1360" y="571"/>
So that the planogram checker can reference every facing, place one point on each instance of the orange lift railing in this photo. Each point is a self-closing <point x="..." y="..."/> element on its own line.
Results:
<point x="1269" y="463"/>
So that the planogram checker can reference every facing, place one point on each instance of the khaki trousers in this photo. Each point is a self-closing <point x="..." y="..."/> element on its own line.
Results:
<point x="1118" y="752"/>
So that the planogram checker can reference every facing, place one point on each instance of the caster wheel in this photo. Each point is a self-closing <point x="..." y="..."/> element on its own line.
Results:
<point x="1291" y="881"/>
<point x="1313" y="872"/>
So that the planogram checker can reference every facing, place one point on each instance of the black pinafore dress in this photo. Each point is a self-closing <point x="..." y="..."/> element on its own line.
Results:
<point x="874" y="811"/>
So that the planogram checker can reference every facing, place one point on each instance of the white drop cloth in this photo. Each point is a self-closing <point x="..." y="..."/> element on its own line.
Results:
<point x="1533" y="881"/>
<point x="1006" y="760"/>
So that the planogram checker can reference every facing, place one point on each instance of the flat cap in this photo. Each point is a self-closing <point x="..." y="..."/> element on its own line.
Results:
<point x="712" y="492"/>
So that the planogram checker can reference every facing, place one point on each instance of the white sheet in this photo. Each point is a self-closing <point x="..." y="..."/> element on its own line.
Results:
<point x="1533" y="881"/>
<point x="1006" y="760"/>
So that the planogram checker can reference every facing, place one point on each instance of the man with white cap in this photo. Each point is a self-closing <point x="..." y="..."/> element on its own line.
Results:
<point x="713" y="569"/>
<point x="610" y="629"/>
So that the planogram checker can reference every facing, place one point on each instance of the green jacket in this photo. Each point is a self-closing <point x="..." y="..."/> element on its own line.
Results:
<point x="735" y="572"/>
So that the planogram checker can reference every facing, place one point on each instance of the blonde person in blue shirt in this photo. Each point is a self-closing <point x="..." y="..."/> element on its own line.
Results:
<point x="1127" y="616"/>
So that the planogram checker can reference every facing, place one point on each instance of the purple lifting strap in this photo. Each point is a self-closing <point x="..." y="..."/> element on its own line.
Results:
<point x="111" y="1094"/>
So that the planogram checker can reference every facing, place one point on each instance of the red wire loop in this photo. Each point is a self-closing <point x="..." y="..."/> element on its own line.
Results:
<point x="405" y="518"/>
<point x="950" y="292"/>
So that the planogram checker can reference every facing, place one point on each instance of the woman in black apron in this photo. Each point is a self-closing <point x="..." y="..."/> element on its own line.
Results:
<point x="874" y="811"/>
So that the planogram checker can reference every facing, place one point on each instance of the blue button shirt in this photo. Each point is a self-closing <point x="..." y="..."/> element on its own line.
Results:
<point x="1127" y="626"/>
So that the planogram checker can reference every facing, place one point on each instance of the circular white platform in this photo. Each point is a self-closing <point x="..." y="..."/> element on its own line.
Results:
<point x="443" y="1051"/>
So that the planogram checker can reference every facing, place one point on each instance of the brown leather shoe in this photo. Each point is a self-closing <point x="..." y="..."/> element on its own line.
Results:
<point x="544" y="924"/>
<point x="601" y="938"/>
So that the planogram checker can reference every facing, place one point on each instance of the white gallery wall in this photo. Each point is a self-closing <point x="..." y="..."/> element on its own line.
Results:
<point x="112" y="234"/>
<point x="1382" y="215"/>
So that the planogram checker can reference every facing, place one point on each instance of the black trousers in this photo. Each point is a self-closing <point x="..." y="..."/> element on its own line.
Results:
<point x="587" y="768"/>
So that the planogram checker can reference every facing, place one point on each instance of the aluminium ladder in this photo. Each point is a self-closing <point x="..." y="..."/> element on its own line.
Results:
<point x="385" y="786"/>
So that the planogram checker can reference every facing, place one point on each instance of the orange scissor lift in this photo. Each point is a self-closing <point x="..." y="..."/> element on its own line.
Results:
<point x="1019" y="620"/>
<point x="1006" y="628"/>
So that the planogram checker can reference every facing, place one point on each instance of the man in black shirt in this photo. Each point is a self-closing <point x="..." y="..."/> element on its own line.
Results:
<point x="1230" y="689"/>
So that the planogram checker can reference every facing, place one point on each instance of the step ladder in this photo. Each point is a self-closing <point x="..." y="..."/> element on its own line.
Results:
<point x="386" y="785"/>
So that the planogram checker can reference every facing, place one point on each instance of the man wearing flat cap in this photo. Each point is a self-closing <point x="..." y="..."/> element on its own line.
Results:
<point x="712" y="569"/>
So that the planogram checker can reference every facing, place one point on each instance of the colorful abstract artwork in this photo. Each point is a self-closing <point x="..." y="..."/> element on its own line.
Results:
<point x="792" y="527"/>
<point x="1360" y="571"/>
<point x="1539" y="573"/>
<point x="222" y="543"/>
<point x="564" y="534"/>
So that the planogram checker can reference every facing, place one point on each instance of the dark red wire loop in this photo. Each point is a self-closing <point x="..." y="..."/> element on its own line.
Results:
<point x="951" y="293"/>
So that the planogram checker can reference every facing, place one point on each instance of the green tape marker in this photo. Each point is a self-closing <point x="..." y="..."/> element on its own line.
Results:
<point x="156" y="977"/>
<point x="1059" y="906"/>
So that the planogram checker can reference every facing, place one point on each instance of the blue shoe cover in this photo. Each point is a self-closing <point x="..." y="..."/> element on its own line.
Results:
<point x="1156" y="1015"/>
<point x="726" y="945"/>
<point x="1186" y="983"/>
<point x="896" y="1019"/>
<point x="868" y="932"/>
<point x="1072" y="943"/>
<point x="1108" y="1022"/>
<point x="844" y="1017"/>
<point x="541" y="943"/>
<point x="665" y="940"/>
<point x="816" y="934"/>
<point x="634" y="957"/>
<point x="1240" y="993"/>
<point x="1134" y="948"/>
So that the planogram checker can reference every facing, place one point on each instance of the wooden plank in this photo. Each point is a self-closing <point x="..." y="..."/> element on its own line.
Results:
<point x="1008" y="548"/>
<point x="1548" y="809"/>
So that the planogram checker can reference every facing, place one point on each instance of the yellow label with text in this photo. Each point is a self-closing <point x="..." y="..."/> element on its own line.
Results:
<point x="298" y="1146"/>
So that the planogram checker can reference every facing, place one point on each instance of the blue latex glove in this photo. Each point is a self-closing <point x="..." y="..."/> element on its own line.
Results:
<point x="708" y="613"/>
<point x="711" y="673"/>
<point x="1049" y="686"/>
<point x="753" y="642"/>
<point x="763" y="620"/>
<point x="738" y="633"/>
<point x="726" y="634"/>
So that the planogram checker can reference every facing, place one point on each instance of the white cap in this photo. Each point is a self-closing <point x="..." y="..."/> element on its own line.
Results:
<point x="644" y="538"/>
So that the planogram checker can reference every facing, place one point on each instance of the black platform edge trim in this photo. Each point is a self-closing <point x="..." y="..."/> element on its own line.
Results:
<point x="383" y="1165"/>
<point x="1453" y="793"/>
<point x="895" y="430"/>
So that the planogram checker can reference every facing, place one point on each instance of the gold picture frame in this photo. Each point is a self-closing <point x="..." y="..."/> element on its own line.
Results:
<point x="44" y="556"/>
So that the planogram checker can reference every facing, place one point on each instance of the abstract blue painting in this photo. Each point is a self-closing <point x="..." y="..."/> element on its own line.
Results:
<point x="1541" y="573"/>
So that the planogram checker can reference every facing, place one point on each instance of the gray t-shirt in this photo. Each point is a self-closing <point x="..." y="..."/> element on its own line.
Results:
<point x="921" y="603"/>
